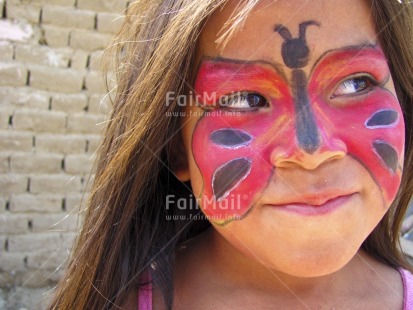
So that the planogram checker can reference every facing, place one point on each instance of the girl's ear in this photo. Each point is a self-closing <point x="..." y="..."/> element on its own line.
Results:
<point x="178" y="160"/>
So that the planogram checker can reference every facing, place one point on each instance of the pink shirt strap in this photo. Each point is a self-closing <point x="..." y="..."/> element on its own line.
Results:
<point x="407" y="278"/>
<point x="145" y="294"/>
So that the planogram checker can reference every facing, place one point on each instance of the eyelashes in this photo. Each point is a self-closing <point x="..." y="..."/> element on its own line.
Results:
<point x="246" y="101"/>
<point x="243" y="101"/>
<point x="354" y="85"/>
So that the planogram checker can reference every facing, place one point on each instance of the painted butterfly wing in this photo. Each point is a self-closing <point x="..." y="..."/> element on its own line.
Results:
<point x="235" y="173"/>
<point x="370" y="124"/>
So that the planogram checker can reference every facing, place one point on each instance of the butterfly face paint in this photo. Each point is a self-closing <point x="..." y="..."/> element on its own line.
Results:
<point x="341" y="107"/>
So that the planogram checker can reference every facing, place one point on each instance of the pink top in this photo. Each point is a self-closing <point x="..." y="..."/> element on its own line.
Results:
<point x="408" y="289"/>
<point x="145" y="293"/>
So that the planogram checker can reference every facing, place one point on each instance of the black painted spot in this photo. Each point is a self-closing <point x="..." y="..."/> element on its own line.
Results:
<point x="229" y="175"/>
<point x="230" y="138"/>
<point x="383" y="118"/>
<point x="387" y="153"/>
<point x="306" y="127"/>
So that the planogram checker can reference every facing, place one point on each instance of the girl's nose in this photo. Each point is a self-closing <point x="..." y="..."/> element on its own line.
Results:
<point x="294" y="154"/>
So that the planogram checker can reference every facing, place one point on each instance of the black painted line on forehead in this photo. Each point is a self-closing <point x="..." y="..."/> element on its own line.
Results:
<point x="387" y="154"/>
<point x="229" y="175"/>
<point x="230" y="138"/>
<point x="275" y="66"/>
<point x="385" y="118"/>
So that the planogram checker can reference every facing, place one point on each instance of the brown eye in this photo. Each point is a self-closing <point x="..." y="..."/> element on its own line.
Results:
<point x="244" y="101"/>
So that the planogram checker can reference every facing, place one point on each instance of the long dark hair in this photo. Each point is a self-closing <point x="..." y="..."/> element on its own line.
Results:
<point x="127" y="228"/>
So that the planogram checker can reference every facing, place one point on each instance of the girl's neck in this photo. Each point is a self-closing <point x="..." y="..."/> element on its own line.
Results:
<point x="210" y="260"/>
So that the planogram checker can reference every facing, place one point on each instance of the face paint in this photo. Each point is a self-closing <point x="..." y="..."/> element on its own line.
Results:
<point x="370" y="124"/>
<point x="233" y="150"/>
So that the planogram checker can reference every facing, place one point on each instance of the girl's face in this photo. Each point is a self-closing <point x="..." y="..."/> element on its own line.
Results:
<point x="294" y="135"/>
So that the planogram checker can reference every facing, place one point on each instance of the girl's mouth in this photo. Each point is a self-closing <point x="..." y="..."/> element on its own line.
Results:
<point x="313" y="205"/>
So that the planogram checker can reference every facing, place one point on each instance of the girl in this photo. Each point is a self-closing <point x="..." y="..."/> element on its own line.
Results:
<point x="289" y="124"/>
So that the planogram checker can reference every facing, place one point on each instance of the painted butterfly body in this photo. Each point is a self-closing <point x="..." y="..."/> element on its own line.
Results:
<point x="233" y="150"/>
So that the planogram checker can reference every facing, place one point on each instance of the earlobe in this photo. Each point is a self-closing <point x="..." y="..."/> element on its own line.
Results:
<point x="182" y="174"/>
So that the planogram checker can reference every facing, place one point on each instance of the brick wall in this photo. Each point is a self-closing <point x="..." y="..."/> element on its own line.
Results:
<point x="51" y="102"/>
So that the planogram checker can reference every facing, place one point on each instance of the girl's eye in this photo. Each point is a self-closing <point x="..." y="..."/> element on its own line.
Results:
<point x="354" y="85"/>
<point x="244" y="101"/>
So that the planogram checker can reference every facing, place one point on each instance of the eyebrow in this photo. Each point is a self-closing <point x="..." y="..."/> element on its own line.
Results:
<point x="275" y="66"/>
<point x="354" y="50"/>
<point x="278" y="67"/>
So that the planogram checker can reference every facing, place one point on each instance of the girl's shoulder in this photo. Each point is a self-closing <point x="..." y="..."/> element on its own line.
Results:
<point x="407" y="278"/>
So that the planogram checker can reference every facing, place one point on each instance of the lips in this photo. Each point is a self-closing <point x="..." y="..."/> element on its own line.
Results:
<point x="318" y="204"/>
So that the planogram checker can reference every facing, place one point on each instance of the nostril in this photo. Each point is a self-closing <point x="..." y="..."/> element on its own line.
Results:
<point x="306" y="160"/>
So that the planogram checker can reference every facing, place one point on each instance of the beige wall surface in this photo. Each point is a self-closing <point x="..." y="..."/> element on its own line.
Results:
<point x="52" y="105"/>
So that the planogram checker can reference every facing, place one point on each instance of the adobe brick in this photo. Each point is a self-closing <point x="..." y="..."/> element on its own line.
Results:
<point x="16" y="141"/>
<point x="36" y="279"/>
<point x="19" y="11"/>
<point x="13" y="74"/>
<point x="29" y="298"/>
<point x="24" y="97"/>
<point x="43" y="55"/>
<point x="63" y="144"/>
<point x="2" y="209"/>
<point x="56" y="79"/>
<point x="6" y="51"/>
<point x="74" y="202"/>
<point x="109" y="22"/>
<point x="103" y="5"/>
<point x="84" y="123"/>
<point x="14" y="224"/>
<point x="4" y="165"/>
<point x="95" y="62"/>
<point x="41" y="203"/>
<point x="69" y="103"/>
<point x="13" y="183"/>
<point x="13" y="262"/>
<point x="47" y="259"/>
<point x="88" y="183"/>
<point x="19" y="31"/>
<point x="93" y="143"/>
<point x="5" y="114"/>
<point x="62" y="222"/>
<point x="39" y="121"/>
<point x="94" y="82"/>
<point x="36" y="163"/>
<point x="99" y="104"/>
<point x="68" y="17"/>
<point x="89" y="40"/>
<point x="56" y="36"/>
<point x="3" y="239"/>
<point x="57" y="183"/>
<point x="79" y="164"/>
<point x="34" y="241"/>
<point x="41" y="3"/>
<point x="79" y="60"/>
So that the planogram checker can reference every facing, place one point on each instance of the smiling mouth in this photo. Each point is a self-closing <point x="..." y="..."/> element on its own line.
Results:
<point x="317" y="205"/>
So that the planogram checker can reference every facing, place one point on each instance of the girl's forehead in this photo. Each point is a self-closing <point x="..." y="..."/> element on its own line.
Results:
<point x="341" y="23"/>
